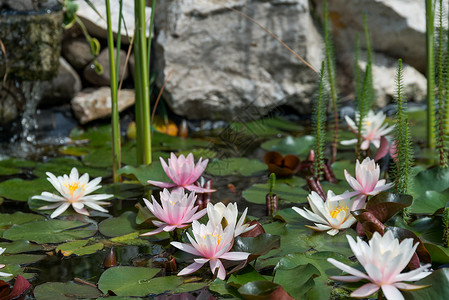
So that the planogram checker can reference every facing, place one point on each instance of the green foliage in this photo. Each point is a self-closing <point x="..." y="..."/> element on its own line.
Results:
<point x="404" y="147"/>
<point x="319" y="124"/>
<point x="330" y="67"/>
<point x="430" y="69"/>
<point x="446" y="227"/>
<point x="441" y="89"/>
<point x="369" y="93"/>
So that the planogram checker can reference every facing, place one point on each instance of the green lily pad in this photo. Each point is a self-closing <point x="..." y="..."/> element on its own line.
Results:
<point x="258" y="245"/>
<point x="297" y="286"/>
<point x="165" y="142"/>
<point x="15" y="270"/>
<point x="20" y="190"/>
<point x="438" y="253"/>
<point x="256" y="128"/>
<point x="119" y="226"/>
<point x="97" y="136"/>
<point x="8" y="171"/>
<point x="65" y="291"/>
<point x="130" y="281"/>
<point x="20" y="246"/>
<point x="243" y="276"/>
<point x="285" y="193"/>
<point x="63" y="165"/>
<point x="262" y="289"/>
<point x="144" y="173"/>
<point x="49" y="231"/>
<point x="339" y="168"/>
<point x="290" y="145"/>
<point x="8" y="220"/>
<point x="439" y="286"/>
<point x="133" y="239"/>
<point x="434" y="179"/>
<point x="429" y="202"/>
<point x="235" y="166"/>
<point x="79" y="248"/>
<point x="17" y="163"/>
<point x="20" y="259"/>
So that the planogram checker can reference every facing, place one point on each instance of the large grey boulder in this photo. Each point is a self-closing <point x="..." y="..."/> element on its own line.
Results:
<point x="91" y="104"/>
<point x="384" y="80"/>
<point x="97" y="26"/>
<point x="397" y="27"/>
<point x="225" y="66"/>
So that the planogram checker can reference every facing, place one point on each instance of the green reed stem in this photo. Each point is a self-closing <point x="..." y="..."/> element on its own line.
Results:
<point x="142" y="86"/>
<point x="116" y="158"/>
<point x="430" y="69"/>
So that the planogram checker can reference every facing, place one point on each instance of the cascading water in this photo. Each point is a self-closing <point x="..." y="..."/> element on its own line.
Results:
<point x="29" y="54"/>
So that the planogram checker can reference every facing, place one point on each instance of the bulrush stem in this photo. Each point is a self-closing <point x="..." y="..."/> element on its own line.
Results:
<point x="116" y="152"/>
<point x="446" y="227"/>
<point x="430" y="65"/>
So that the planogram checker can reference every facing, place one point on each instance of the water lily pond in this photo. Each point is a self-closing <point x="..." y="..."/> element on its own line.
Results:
<point x="107" y="254"/>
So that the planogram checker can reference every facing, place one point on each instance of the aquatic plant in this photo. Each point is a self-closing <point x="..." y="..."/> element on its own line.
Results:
<point x="183" y="172"/>
<point x="441" y="90"/>
<point x="319" y="124"/>
<point x="373" y="129"/>
<point x="177" y="210"/>
<point x="383" y="259"/>
<point x="328" y="216"/>
<point x="219" y="211"/>
<point x="74" y="191"/>
<point x="430" y="74"/>
<point x="403" y="143"/>
<point x="366" y="183"/>
<point x="330" y="67"/>
<point x="211" y="243"/>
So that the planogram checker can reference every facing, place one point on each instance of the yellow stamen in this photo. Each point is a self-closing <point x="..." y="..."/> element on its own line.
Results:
<point x="337" y="209"/>
<point x="73" y="186"/>
<point x="213" y="235"/>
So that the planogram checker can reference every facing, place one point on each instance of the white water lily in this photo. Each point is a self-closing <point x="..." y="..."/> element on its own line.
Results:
<point x="373" y="128"/>
<point x="74" y="191"/>
<point x="330" y="216"/>
<point x="383" y="259"/>
<point x="217" y="212"/>
<point x="2" y="274"/>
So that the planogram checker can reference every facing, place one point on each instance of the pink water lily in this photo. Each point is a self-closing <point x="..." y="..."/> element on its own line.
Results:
<point x="383" y="259"/>
<point x="365" y="184"/>
<point x="211" y="243"/>
<point x="74" y="191"/>
<point x="177" y="210"/>
<point x="373" y="128"/>
<point x="183" y="172"/>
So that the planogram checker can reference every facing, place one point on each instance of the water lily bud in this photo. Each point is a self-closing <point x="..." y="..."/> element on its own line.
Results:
<point x="110" y="260"/>
<point x="183" y="129"/>
<point x="257" y="229"/>
<point x="170" y="265"/>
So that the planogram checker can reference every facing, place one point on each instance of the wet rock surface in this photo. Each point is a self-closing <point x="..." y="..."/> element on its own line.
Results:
<point x="77" y="52"/>
<point x="103" y="79"/>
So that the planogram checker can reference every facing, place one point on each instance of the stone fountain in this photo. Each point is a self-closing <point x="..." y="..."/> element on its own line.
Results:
<point x="30" y="39"/>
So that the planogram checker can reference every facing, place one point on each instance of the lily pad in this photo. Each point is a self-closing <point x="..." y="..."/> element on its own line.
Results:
<point x="297" y="286"/>
<point x="8" y="170"/>
<point x="20" y="190"/>
<point x="17" y="163"/>
<point x="429" y="202"/>
<point x="144" y="173"/>
<point x="434" y="179"/>
<point x="243" y="276"/>
<point x="8" y="220"/>
<point x="235" y="166"/>
<point x="65" y="291"/>
<point x="63" y="165"/>
<point x="263" y="289"/>
<point x="439" y="287"/>
<point x="136" y="281"/>
<point x="258" y="245"/>
<point x="438" y="253"/>
<point x="79" y="248"/>
<point x="339" y="168"/>
<point x="165" y="142"/>
<point x="22" y="259"/>
<point x="290" y="145"/>
<point x="49" y="231"/>
<point x="20" y="246"/>
<point x="119" y="226"/>
<point x="286" y="193"/>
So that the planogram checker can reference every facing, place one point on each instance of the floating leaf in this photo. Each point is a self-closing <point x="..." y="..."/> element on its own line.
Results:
<point x="339" y="168"/>
<point x="285" y="193"/>
<point x="165" y="142"/>
<point x="385" y="205"/>
<point x="136" y="281"/>
<point x="79" y="248"/>
<point x="8" y="220"/>
<point x="439" y="254"/>
<point x="21" y="259"/>
<point x="434" y="179"/>
<point x="235" y="166"/>
<point x="290" y="145"/>
<point x="258" y="245"/>
<point x="65" y="291"/>
<point x="63" y="165"/>
<point x="15" y="270"/>
<point x="8" y="171"/>
<point x="17" y="163"/>
<point x="429" y="202"/>
<point x="20" y="190"/>
<point x="297" y="286"/>
<point x="245" y="275"/>
<point x="439" y="287"/>
<point x="118" y="226"/>
<point x="49" y="231"/>
<point x="20" y="247"/>
<point x="144" y="173"/>
<point x="263" y="290"/>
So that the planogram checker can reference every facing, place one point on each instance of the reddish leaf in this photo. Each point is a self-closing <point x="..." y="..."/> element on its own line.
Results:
<point x="258" y="229"/>
<point x="18" y="292"/>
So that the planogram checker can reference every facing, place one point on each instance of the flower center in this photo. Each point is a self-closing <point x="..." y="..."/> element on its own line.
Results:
<point x="215" y="235"/>
<point x="337" y="209"/>
<point x="73" y="187"/>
